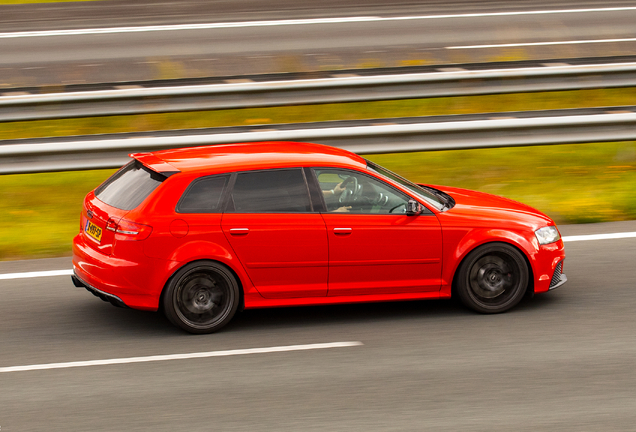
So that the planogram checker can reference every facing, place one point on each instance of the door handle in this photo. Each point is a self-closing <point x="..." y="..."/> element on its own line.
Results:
<point x="239" y="231"/>
<point x="342" y="231"/>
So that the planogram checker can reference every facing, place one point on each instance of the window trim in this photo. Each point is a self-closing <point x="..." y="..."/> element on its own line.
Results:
<point x="317" y="198"/>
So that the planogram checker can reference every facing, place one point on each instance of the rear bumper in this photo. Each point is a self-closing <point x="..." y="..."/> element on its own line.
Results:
<point x="112" y="299"/>
<point x="136" y="282"/>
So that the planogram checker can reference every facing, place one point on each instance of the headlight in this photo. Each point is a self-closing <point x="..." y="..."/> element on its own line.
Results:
<point x="547" y="235"/>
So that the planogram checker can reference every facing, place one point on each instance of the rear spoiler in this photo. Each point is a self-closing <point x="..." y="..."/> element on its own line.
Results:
<point x="152" y="162"/>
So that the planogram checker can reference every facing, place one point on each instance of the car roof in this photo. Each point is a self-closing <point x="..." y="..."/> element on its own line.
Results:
<point x="248" y="156"/>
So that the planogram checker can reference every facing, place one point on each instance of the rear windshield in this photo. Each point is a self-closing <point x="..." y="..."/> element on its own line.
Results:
<point x="129" y="186"/>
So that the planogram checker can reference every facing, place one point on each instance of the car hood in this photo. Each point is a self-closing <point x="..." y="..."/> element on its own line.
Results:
<point x="479" y="204"/>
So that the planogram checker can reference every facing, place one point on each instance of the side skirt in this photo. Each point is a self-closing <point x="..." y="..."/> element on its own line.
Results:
<point x="255" y="302"/>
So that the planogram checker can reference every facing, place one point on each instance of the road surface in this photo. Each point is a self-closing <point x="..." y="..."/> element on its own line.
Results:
<point x="40" y="43"/>
<point x="562" y="361"/>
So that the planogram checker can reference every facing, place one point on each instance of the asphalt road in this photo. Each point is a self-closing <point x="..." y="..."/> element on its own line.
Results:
<point x="116" y="13"/>
<point x="51" y="59"/>
<point x="562" y="361"/>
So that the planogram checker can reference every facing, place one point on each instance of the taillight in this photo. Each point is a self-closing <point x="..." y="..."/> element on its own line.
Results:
<point x="127" y="230"/>
<point x="111" y="225"/>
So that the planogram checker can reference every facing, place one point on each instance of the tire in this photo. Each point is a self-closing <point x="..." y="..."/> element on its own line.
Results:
<point x="201" y="297"/>
<point x="493" y="278"/>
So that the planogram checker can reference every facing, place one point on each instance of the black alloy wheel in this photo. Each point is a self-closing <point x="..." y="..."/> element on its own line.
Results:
<point x="201" y="297"/>
<point x="493" y="278"/>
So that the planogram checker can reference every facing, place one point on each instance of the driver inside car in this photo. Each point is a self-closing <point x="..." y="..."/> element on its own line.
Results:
<point x="336" y="192"/>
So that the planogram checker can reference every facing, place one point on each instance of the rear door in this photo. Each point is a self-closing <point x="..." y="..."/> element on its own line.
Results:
<point x="276" y="234"/>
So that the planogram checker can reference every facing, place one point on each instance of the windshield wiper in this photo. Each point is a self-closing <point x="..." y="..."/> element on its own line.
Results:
<point x="448" y="200"/>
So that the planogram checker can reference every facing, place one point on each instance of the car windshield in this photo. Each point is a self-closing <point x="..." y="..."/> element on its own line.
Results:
<point x="432" y="196"/>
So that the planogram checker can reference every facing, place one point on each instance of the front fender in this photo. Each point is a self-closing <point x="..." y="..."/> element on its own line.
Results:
<point x="460" y="247"/>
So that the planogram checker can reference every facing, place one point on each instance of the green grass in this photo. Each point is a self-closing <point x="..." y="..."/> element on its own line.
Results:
<point x="39" y="213"/>
<point x="576" y="183"/>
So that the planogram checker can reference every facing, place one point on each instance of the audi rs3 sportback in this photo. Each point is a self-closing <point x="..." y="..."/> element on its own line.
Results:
<point x="203" y="232"/>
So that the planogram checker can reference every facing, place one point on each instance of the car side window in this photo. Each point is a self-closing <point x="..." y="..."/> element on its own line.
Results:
<point x="204" y="195"/>
<point x="270" y="191"/>
<point x="347" y="191"/>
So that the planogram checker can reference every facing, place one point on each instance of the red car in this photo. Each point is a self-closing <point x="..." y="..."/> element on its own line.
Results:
<point x="203" y="232"/>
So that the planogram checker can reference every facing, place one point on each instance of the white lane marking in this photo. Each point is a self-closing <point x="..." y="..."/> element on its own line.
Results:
<point x="177" y="27"/>
<point x="522" y="44"/>
<point x="243" y="24"/>
<point x="599" y="236"/>
<point x="180" y="356"/>
<point x="27" y="275"/>
<point x="610" y="236"/>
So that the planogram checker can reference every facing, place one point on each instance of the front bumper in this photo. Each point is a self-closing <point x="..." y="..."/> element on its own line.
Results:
<point x="562" y="279"/>
<point x="558" y="278"/>
<point x="548" y="267"/>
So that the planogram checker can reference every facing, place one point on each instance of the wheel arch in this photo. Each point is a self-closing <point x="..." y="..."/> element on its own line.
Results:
<point x="215" y="260"/>
<point x="468" y="245"/>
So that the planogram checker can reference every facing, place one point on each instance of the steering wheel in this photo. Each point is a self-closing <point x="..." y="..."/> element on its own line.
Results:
<point x="397" y="206"/>
<point x="351" y="190"/>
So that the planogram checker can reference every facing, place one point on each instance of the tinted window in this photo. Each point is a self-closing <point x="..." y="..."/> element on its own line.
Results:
<point x="276" y="191"/>
<point x="129" y="186"/>
<point x="203" y="196"/>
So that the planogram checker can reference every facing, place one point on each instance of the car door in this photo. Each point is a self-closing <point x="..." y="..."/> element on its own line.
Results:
<point x="278" y="237"/>
<point x="374" y="247"/>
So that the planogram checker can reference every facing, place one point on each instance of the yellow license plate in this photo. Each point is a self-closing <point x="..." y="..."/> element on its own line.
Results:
<point x="93" y="231"/>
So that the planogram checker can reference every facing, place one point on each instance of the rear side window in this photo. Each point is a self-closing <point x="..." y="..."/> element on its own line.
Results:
<point x="275" y="191"/>
<point x="129" y="186"/>
<point x="204" y="195"/>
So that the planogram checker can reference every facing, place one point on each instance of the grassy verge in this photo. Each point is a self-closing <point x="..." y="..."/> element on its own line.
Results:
<point x="39" y="213"/>
<point x="577" y="183"/>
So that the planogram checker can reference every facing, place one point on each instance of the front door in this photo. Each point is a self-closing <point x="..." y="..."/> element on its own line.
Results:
<point x="374" y="247"/>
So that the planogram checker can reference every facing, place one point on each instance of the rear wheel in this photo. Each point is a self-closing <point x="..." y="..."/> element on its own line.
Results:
<point x="493" y="278"/>
<point x="202" y="297"/>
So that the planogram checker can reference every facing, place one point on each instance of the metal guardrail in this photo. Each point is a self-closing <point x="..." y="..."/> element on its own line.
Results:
<point x="455" y="81"/>
<point x="365" y="137"/>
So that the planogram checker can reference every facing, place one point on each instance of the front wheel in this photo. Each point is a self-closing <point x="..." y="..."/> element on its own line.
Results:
<point x="201" y="297"/>
<point x="493" y="278"/>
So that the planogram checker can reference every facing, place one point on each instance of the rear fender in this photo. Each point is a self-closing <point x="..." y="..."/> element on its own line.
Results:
<point x="202" y="250"/>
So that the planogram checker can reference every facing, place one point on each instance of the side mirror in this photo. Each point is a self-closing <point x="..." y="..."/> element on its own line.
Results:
<point x="413" y="208"/>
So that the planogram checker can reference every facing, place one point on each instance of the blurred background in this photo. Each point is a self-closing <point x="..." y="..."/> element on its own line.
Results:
<point x="77" y="74"/>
